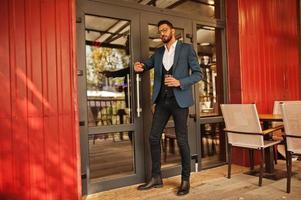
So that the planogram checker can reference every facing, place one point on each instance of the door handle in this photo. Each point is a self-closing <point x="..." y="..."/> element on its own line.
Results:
<point x="128" y="93"/>
<point x="139" y="109"/>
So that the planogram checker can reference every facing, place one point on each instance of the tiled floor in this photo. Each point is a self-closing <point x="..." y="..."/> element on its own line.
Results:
<point x="212" y="184"/>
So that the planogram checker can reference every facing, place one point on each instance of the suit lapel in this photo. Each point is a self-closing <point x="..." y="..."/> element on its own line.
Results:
<point x="161" y="53"/>
<point x="177" y="54"/>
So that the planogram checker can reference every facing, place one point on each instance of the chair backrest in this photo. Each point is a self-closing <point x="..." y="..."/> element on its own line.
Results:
<point x="242" y="118"/>
<point x="291" y="113"/>
<point x="277" y="110"/>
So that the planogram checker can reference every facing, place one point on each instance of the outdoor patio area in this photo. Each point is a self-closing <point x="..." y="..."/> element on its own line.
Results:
<point x="212" y="184"/>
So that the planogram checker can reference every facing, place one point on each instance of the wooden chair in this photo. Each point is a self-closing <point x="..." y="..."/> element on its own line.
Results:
<point x="291" y="113"/>
<point x="243" y="130"/>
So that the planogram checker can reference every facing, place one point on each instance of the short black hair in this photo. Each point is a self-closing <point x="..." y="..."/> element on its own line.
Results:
<point x="168" y="23"/>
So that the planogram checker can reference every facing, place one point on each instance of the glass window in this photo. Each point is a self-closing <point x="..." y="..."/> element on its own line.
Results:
<point x="210" y="93"/>
<point x="111" y="155"/>
<point x="212" y="144"/>
<point x="108" y="71"/>
<point x="108" y="77"/>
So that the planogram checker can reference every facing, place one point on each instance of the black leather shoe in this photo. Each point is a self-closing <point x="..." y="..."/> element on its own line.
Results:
<point x="155" y="182"/>
<point x="184" y="188"/>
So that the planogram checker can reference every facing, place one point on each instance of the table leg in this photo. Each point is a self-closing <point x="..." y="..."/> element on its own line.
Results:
<point x="269" y="159"/>
<point x="172" y="145"/>
<point x="266" y="125"/>
<point x="268" y="152"/>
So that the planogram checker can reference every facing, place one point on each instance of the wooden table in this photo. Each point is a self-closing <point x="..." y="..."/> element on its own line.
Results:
<point x="267" y="119"/>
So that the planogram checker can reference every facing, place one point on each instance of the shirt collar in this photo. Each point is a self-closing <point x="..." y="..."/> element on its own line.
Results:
<point x="173" y="46"/>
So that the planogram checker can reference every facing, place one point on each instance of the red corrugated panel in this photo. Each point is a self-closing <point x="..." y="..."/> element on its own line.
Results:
<point x="5" y="95"/>
<point x="34" y="59"/>
<point x="54" y="181"/>
<point x="38" y="138"/>
<point x="19" y="90"/>
<point x="37" y="172"/>
<point x="233" y="53"/>
<point x="6" y="159"/>
<point x="6" y="150"/>
<point x="268" y="52"/>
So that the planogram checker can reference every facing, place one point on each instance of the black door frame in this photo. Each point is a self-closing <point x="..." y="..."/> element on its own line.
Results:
<point x="105" y="10"/>
<point x="144" y="15"/>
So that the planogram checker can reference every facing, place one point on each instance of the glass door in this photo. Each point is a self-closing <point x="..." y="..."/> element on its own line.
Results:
<point x="109" y="100"/>
<point x="210" y="96"/>
<point x="150" y="40"/>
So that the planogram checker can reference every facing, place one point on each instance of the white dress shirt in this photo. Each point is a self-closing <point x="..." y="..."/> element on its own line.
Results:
<point x="169" y="55"/>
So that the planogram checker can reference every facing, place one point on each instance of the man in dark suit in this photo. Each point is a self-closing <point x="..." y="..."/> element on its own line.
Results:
<point x="176" y="69"/>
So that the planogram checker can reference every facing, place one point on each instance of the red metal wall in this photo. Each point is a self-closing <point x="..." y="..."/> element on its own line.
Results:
<point x="268" y="51"/>
<point x="39" y="151"/>
<point x="233" y="56"/>
<point x="263" y="61"/>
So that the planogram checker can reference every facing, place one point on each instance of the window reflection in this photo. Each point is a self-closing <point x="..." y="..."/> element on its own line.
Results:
<point x="212" y="144"/>
<point x="206" y="46"/>
<point x="210" y="95"/>
<point x="108" y="71"/>
<point x="111" y="155"/>
<point x="108" y="77"/>
<point x="170" y="151"/>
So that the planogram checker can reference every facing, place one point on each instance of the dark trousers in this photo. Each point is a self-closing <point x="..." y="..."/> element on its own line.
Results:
<point x="165" y="108"/>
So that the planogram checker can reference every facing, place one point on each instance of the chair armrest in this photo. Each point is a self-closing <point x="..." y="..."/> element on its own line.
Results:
<point x="267" y="131"/>
<point x="292" y="136"/>
<point x="245" y="133"/>
<point x="270" y="130"/>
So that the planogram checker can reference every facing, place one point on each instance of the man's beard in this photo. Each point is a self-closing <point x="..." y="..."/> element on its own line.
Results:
<point x="166" y="39"/>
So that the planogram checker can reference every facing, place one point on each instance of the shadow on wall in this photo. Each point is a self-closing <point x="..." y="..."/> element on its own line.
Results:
<point x="38" y="118"/>
<point x="38" y="150"/>
<point x="9" y="196"/>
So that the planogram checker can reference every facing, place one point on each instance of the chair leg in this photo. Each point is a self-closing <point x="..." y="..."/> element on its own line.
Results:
<point x="213" y="133"/>
<point x="261" y="166"/>
<point x="208" y="145"/>
<point x="275" y="154"/>
<point x="162" y="146"/>
<point x="229" y="159"/>
<point x="251" y="157"/>
<point x="289" y="171"/>
<point x="165" y="148"/>
<point x="202" y="140"/>
<point x="94" y="138"/>
<point x="288" y="156"/>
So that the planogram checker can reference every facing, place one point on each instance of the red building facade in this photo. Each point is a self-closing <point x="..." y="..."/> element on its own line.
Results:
<point x="39" y="137"/>
<point x="39" y="151"/>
